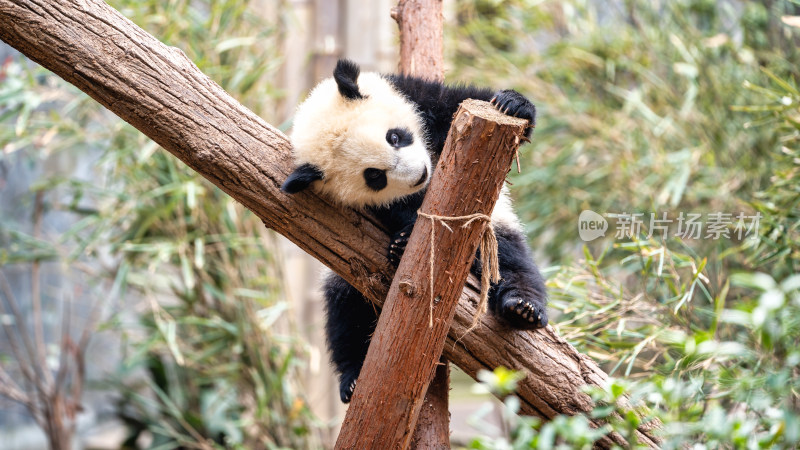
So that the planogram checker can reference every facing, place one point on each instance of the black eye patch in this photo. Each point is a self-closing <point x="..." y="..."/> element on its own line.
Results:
<point x="375" y="179"/>
<point x="399" y="137"/>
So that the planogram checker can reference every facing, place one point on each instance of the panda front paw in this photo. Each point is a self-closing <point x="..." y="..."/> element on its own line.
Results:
<point x="347" y="385"/>
<point x="514" y="104"/>
<point x="523" y="312"/>
<point x="398" y="245"/>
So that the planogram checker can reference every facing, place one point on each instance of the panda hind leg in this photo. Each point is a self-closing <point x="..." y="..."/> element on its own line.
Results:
<point x="520" y="298"/>
<point x="351" y="320"/>
<point x="525" y="308"/>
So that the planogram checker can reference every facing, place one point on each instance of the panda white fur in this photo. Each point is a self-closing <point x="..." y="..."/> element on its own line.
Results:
<point x="372" y="141"/>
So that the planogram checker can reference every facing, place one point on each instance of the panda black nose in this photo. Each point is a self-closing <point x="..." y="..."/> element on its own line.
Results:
<point x="423" y="178"/>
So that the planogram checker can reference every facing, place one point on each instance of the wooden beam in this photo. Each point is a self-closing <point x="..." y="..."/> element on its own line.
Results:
<point x="421" y="37"/>
<point x="424" y="23"/>
<point x="409" y="338"/>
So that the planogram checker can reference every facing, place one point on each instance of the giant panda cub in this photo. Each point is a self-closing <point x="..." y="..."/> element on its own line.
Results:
<point x="372" y="141"/>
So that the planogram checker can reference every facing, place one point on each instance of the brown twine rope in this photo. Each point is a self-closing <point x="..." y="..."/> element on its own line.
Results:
<point x="490" y="267"/>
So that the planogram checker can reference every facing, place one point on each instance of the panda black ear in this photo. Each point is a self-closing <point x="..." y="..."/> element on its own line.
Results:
<point x="301" y="178"/>
<point x="346" y="76"/>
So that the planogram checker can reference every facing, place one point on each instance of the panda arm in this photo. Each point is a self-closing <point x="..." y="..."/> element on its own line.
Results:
<point x="438" y="104"/>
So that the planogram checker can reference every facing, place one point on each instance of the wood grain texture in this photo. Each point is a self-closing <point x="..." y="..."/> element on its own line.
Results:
<point x="421" y="38"/>
<point x="409" y="337"/>
<point x="426" y="25"/>
<point x="159" y="91"/>
<point x="433" y="424"/>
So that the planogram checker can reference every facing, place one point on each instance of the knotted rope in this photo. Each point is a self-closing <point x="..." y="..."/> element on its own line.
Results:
<point x="490" y="267"/>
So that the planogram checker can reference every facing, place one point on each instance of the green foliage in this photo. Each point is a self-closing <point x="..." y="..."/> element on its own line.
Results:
<point x="648" y="107"/>
<point x="205" y="365"/>
<point x="528" y="432"/>
<point x="733" y="389"/>
<point x="230" y="41"/>
<point x="779" y="201"/>
<point x="634" y="106"/>
<point x="500" y="381"/>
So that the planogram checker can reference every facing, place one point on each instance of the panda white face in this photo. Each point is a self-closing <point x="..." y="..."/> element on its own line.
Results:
<point x="358" y="141"/>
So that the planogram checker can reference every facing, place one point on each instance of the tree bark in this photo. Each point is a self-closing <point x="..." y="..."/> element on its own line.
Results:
<point x="409" y="337"/>
<point x="421" y="38"/>
<point x="159" y="91"/>
<point x="433" y="424"/>
<point x="421" y="28"/>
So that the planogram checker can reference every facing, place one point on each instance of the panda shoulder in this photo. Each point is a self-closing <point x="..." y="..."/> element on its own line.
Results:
<point x="431" y="93"/>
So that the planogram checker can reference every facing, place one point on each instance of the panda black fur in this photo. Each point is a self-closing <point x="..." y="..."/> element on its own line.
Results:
<point x="371" y="141"/>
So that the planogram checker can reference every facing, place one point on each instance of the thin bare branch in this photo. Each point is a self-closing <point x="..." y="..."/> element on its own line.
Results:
<point x="63" y="361"/>
<point x="36" y="295"/>
<point x="10" y="389"/>
<point x="25" y="359"/>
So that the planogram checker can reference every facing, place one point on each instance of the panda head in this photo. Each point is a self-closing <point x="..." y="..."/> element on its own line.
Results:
<point x="358" y="140"/>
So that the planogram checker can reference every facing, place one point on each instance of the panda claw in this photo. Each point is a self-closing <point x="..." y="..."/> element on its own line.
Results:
<point x="523" y="311"/>
<point x="398" y="245"/>
<point x="346" y="391"/>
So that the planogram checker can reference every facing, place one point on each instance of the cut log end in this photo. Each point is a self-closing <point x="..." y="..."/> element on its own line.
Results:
<point x="487" y="111"/>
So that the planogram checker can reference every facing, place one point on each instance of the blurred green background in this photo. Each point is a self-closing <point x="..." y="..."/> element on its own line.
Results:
<point x="645" y="107"/>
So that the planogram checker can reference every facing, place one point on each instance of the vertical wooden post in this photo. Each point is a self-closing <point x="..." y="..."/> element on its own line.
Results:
<point x="421" y="38"/>
<point x="422" y="54"/>
<point x="433" y="424"/>
<point x="422" y="299"/>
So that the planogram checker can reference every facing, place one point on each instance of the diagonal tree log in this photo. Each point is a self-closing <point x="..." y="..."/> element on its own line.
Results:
<point x="159" y="91"/>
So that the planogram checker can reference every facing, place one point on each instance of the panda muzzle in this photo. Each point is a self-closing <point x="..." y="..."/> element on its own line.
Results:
<point x="423" y="178"/>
